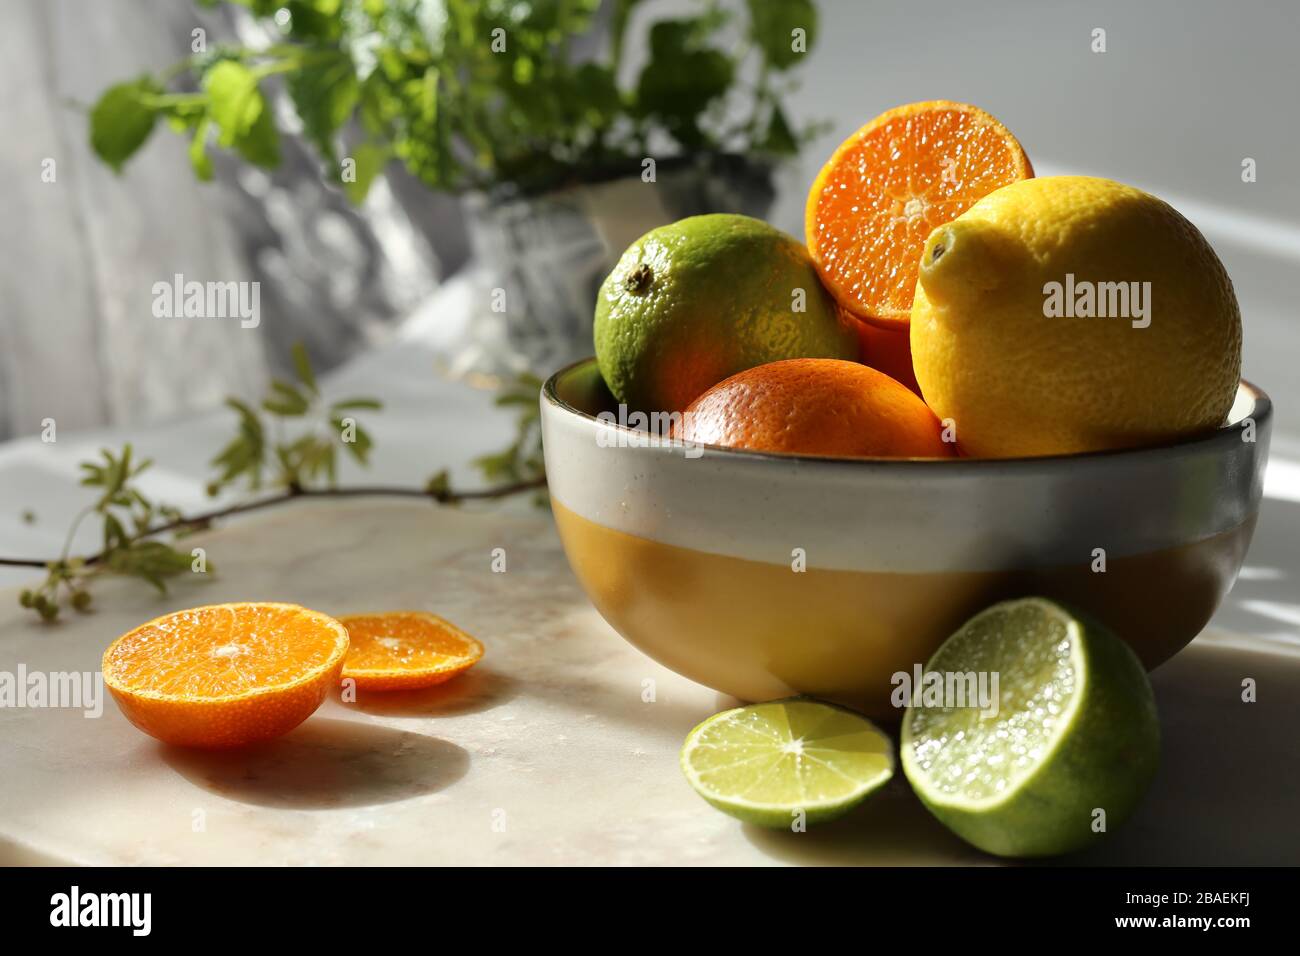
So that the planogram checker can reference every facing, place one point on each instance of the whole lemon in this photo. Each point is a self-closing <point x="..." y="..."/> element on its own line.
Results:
<point x="1071" y="314"/>
<point x="697" y="301"/>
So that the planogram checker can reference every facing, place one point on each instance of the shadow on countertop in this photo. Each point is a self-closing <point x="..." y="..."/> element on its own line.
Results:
<point x="326" y="764"/>
<point x="477" y="690"/>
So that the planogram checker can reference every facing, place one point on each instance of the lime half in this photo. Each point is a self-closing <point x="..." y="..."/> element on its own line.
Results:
<point x="1067" y="755"/>
<point x="768" y="762"/>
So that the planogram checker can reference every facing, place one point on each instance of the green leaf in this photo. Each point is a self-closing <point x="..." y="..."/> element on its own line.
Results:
<point x="199" y="159"/>
<point x="439" y="484"/>
<point x="302" y="365"/>
<point x="682" y="78"/>
<point x="122" y="120"/>
<point x="497" y="465"/>
<point x="369" y="161"/>
<point x="261" y="146"/>
<point x="779" y="139"/>
<point x="357" y="404"/>
<point x="324" y="96"/>
<point x="242" y="114"/>
<point x="515" y="398"/>
<point x="330" y="455"/>
<point x="380" y="106"/>
<point x="94" y="474"/>
<point x="235" y="103"/>
<point x="428" y="96"/>
<point x="359" y="447"/>
<point x="286" y="400"/>
<point x="289" y="469"/>
<point x="314" y="20"/>
<point x="184" y="116"/>
<point x="246" y="453"/>
<point x="112" y="477"/>
<point x="152" y="561"/>
<point x="595" y="96"/>
<point x="262" y="8"/>
<point x="772" y="26"/>
<point x="114" y="534"/>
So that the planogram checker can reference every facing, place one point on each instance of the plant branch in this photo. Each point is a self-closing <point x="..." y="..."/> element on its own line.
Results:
<point x="295" y="494"/>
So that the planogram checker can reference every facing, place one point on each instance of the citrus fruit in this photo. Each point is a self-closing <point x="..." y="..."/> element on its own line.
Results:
<point x="1072" y="314"/>
<point x="888" y="186"/>
<point x="690" y="303"/>
<point x="1070" y="751"/>
<point x="815" y="407"/>
<point x="767" y="763"/>
<point x="888" y="351"/>
<point x="404" y="650"/>
<point x="226" y="674"/>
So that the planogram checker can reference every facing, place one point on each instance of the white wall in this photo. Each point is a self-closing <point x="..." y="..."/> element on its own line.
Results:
<point x="79" y="256"/>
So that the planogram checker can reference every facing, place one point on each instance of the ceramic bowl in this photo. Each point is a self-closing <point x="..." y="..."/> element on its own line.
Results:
<point x="766" y="575"/>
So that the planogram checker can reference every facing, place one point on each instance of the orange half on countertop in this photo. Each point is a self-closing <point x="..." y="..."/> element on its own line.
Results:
<point x="405" y="650"/>
<point x="890" y="184"/>
<point x="225" y="675"/>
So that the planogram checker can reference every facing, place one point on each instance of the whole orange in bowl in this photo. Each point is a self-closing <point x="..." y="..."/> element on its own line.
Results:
<point x="888" y="186"/>
<point x="815" y="407"/>
<point x="225" y="675"/>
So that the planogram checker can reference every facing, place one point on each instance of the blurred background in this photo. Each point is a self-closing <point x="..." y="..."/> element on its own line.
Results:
<point x="494" y="188"/>
<point x="428" y="207"/>
<point x="1184" y="92"/>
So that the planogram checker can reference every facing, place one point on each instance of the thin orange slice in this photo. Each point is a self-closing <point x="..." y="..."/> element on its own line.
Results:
<point x="225" y="675"/>
<point x="405" y="650"/>
<point x="890" y="184"/>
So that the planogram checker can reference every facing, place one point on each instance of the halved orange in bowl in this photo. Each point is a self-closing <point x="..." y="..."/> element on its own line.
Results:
<point x="405" y="650"/>
<point x="890" y="184"/>
<point x="225" y="675"/>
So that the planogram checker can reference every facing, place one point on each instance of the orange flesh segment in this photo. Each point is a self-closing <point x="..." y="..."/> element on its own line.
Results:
<point x="223" y="651"/>
<point x="401" y="650"/>
<point x="225" y="675"/>
<point x="888" y="186"/>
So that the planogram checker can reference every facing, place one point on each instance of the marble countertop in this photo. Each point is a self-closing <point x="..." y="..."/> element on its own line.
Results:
<point x="547" y="752"/>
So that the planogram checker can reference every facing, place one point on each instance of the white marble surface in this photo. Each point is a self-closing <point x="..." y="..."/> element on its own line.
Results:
<point x="550" y="734"/>
<point x="551" y="728"/>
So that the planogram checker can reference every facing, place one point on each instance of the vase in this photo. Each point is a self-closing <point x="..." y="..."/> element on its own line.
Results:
<point x="539" y="261"/>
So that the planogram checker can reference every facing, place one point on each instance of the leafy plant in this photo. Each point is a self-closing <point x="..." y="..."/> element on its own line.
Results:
<point x="265" y="454"/>
<point x="521" y="461"/>
<point x="126" y="513"/>
<point x="472" y="94"/>
<point x="308" y="456"/>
